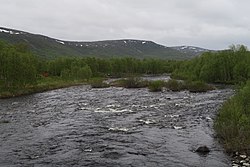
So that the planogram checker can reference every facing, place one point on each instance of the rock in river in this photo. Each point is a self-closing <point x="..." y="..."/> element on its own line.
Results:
<point x="203" y="150"/>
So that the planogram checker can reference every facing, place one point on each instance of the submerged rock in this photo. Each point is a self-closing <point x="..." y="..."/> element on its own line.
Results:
<point x="203" y="150"/>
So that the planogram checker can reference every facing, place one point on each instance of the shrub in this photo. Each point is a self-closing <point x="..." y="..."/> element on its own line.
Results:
<point x="156" y="86"/>
<point x="98" y="83"/>
<point x="135" y="82"/>
<point x="117" y="83"/>
<point x="198" y="86"/>
<point x="131" y="82"/>
<point x="175" y="85"/>
<point x="233" y="122"/>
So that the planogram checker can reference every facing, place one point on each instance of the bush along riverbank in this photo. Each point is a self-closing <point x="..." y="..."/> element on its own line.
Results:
<point x="158" y="85"/>
<point x="43" y="84"/>
<point x="233" y="125"/>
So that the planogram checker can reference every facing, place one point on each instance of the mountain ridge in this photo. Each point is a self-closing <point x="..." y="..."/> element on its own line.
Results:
<point x="48" y="47"/>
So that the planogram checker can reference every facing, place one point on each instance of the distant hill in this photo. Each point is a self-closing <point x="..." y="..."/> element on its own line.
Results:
<point x="50" y="48"/>
<point x="191" y="50"/>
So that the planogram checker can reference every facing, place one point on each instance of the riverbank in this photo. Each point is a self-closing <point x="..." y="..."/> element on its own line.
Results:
<point x="44" y="84"/>
<point x="50" y="83"/>
<point x="232" y="126"/>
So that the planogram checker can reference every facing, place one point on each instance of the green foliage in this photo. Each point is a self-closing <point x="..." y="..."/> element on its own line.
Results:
<point x="228" y="66"/>
<point x="98" y="83"/>
<point x="17" y="67"/>
<point x="85" y="72"/>
<point x="175" y="85"/>
<point x="198" y="86"/>
<point x="156" y="86"/>
<point x="20" y="70"/>
<point x="192" y="86"/>
<point x="135" y="82"/>
<point x="233" y="121"/>
<point x="131" y="82"/>
<point x="43" y="84"/>
<point x="66" y="74"/>
<point x="81" y="73"/>
<point x="109" y="67"/>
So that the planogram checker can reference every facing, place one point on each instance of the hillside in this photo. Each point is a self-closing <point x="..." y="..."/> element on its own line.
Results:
<point x="192" y="50"/>
<point x="49" y="47"/>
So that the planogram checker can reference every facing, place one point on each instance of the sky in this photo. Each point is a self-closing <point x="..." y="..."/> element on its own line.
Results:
<point x="211" y="24"/>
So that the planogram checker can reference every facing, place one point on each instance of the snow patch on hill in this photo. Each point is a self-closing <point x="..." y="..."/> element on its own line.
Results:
<point x="9" y="31"/>
<point x="190" y="49"/>
<point x="61" y="42"/>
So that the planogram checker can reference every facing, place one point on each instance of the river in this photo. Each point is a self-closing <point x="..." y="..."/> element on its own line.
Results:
<point x="80" y="126"/>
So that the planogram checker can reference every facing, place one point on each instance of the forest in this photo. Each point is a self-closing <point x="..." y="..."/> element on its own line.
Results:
<point x="22" y="72"/>
<point x="19" y="68"/>
<point x="227" y="66"/>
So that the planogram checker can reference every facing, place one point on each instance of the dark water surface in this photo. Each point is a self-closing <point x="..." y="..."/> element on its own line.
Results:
<point x="80" y="126"/>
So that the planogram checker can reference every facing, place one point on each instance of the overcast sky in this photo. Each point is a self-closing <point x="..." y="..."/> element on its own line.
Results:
<point x="212" y="24"/>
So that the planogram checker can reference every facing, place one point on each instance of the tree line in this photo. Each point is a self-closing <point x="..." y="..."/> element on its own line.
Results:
<point x="112" y="66"/>
<point x="227" y="66"/>
<point x="20" y="68"/>
<point x="17" y="65"/>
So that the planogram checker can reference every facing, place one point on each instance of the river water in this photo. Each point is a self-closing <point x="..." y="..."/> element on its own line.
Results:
<point x="80" y="126"/>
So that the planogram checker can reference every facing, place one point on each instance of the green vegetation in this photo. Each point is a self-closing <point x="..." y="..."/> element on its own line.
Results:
<point x="17" y="66"/>
<point x="21" y="72"/>
<point x="156" y="86"/>
<point x="228" y="66"/>
<point x="131" y="82"/>
<point x="233" y="121"/>
<point x="42" y="84"/>
<point x="198" y="86"/>
<point x="98" y="83"/>
<point x="192" y="86"/>
<point x="134" y="82"/>
<point x="175" y="85"/>
<point x="114" y="67"/>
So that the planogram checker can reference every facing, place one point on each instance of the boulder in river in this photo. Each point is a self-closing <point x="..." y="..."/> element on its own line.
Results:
<point x="203" y="150"/>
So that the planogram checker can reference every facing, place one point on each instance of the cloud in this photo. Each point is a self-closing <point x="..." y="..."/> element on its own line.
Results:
<point x="213" y="24"/>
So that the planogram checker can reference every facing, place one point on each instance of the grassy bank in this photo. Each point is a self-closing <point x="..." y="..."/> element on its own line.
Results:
<point x="233" y="122"/>
<point x="158" y="85"/>
<point x="43" y="84"/>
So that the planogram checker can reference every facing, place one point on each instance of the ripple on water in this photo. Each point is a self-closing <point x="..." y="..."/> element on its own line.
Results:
<point x="117" y="129"/>
<point x="111" y="110"/>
